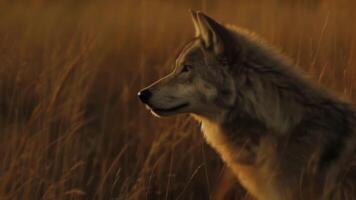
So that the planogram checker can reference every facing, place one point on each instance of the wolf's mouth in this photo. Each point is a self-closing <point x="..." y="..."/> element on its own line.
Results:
<point x="166" y="110"/>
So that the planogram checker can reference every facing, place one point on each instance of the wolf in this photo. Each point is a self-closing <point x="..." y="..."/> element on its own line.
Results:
<point x="282" y="136"/>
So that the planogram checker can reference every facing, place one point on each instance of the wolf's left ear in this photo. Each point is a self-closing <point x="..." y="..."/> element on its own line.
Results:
<point x="210" y="31"/>
<point x="195" y="22"/>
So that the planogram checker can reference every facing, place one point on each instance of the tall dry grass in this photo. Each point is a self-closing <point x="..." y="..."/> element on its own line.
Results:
<point x="70" y="124"/>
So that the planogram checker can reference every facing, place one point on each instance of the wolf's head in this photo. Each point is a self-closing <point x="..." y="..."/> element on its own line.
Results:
<point x="201" y="82"/>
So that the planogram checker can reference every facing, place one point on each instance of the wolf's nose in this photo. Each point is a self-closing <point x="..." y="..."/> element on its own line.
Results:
<point x="144" y="95"/>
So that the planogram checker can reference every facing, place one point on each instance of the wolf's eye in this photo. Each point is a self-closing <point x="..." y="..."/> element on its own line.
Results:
<point x="186" y="68"/>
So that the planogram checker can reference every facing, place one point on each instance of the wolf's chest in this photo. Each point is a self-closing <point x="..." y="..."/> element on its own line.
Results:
<point x="214" y="137"/>
<point x="249" y="176"/>
<point x="213" y="134"/>
<point x="227" y="150"/>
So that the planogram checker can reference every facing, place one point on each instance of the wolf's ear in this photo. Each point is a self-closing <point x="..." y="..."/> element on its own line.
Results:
<point x="195" y="22"/>
<point x="211" y="32"/>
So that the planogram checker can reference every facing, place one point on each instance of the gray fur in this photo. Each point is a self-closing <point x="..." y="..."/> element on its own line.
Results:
<point x="283" y="136"/>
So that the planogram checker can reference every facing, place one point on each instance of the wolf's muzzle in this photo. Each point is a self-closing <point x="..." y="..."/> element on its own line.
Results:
<point x="144" y="95"/>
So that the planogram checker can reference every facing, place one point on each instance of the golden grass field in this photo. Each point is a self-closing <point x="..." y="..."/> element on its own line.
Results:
<point x="71" y="126"/>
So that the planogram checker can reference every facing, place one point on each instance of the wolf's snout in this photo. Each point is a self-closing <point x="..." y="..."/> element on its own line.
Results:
<point x="144" y="95"/>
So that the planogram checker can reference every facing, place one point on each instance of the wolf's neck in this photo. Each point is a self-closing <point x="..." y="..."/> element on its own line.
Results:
<point x="270" y="97"/>
<point x="268" y="88"/>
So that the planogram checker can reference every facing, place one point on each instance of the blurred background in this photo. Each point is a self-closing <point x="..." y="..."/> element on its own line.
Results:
<point x="71" y="126"/>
